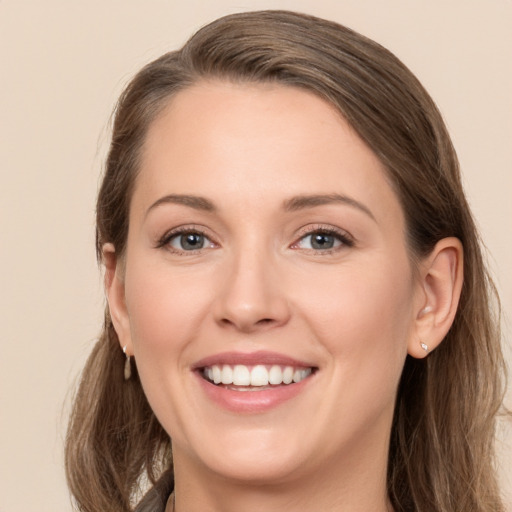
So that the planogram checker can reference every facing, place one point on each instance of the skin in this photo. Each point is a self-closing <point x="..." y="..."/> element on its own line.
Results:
<point x="353" y="311"/>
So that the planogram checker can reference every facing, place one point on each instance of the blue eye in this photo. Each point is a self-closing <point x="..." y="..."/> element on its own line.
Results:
<point x="188" y="241"/>
<point x="185" y="241"/>
<point x="322" y="240"/>
<point x="319" y="241"/>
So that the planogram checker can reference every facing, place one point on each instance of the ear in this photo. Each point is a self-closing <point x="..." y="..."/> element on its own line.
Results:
<point x="115" y="291"/>
<point x="441" y="276"/>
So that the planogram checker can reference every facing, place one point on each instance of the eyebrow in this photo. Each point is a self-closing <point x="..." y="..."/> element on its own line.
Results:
<point x="293" y="204"/>
<point x="310" y="201"/>
<point x="196" y="202"/>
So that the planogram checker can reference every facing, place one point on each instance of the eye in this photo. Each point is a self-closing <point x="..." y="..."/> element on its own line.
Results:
<point x="188" y="241"/>
<point x="185" y="241"/>
<point x="319" y="241"/>
<point x="323" y="240"/>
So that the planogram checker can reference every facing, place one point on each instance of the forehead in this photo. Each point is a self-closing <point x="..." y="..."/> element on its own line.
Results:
<point x="256" y="141"/>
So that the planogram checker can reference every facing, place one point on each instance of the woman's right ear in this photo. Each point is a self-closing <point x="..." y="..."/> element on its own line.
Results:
<point x="115" y="291"/>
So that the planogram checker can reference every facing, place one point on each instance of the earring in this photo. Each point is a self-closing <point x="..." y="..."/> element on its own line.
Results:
<point x="424" y="346"/>
<point x="127" y="365"/>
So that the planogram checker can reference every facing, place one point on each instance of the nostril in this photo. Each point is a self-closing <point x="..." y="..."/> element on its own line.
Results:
<point x="258" y="322"/>
<point x="249" y="325"/>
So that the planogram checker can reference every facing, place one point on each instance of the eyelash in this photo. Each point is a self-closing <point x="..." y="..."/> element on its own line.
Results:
<point x="342" y="236"/>
<point x="166" y="239"/>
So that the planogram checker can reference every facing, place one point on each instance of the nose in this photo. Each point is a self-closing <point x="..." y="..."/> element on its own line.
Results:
<point x="252" y="297"/>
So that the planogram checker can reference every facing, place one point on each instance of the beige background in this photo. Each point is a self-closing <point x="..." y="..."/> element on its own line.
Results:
<point x="63" y="63"/>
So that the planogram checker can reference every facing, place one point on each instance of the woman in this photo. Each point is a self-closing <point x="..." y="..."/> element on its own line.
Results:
<point x="296" y="293"/>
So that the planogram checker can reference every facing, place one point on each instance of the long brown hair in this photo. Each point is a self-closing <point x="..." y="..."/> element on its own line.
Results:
<point x="442" y="439"/>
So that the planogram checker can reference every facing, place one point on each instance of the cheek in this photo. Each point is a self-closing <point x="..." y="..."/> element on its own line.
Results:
<point x="166" y="312"/>
<point x="164" y="308"/>
<point x="364" y="319"/>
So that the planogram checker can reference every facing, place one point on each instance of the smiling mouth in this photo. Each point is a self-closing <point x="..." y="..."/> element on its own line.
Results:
<point x="258" y="377"/>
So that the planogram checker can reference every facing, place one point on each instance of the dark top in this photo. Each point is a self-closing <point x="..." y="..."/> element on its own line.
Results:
<point x="156" y="498"/>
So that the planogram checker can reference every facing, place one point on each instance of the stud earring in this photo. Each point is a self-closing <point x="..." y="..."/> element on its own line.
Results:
<point x="424" y="346"/>
<point x="127" y="365"/>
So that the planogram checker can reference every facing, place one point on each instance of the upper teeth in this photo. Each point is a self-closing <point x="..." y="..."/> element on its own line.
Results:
<point x="259" y="375"/>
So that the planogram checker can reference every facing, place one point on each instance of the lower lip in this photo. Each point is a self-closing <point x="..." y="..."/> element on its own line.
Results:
<point x="252" y="401"/>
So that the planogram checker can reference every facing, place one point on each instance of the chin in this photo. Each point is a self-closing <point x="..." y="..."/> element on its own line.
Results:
<point x="258" y="468"/>
<point x="258" y="456"/>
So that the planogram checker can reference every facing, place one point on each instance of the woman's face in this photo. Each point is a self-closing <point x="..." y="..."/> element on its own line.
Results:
<point x="266" y="245"/>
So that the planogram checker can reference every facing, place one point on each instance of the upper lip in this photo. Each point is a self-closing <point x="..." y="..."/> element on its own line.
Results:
<point x="251" y="359"/>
